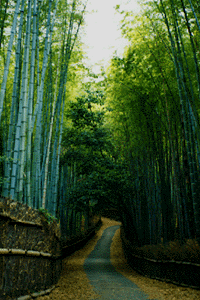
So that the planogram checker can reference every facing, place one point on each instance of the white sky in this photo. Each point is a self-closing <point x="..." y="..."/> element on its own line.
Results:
<point x="102" y="35"/>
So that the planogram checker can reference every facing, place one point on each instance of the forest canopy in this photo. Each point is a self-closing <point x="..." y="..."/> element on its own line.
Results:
<point x="74" y="142"/>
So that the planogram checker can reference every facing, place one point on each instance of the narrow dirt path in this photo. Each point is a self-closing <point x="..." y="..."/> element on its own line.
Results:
<point x="74" y="283"/>
<point x="154" y="288"/>
<point x="108" y="282"/>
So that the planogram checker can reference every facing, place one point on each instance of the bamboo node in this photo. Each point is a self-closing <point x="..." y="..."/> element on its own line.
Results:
<point x="18" y="251"/>
<point x="4" y="251"/>
<point x="33" y="253"/>
<point x="45" y="254"/>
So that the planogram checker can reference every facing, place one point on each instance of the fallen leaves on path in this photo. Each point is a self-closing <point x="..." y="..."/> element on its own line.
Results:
<point x="154" y="288"/>
<point x="73" y="283"/>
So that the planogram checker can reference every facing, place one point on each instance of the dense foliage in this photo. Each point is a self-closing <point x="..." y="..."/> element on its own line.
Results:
<point x="38" y="46"/>
<point x="154" y="95"/>
<point x="72" y="144"/>
<point x="95" y="179"/>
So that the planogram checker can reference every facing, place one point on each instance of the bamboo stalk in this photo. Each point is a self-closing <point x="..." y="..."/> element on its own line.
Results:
<point x="48" y="149"/>
<point x="24" y="121"/>
<point x="13" y="112"/>
<point x="30" y="105"/>
<point x="9" y="51"/>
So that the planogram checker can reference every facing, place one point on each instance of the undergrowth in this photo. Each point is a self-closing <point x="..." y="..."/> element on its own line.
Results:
<point x="187" y="252"/>
<point x="49" y="218"/>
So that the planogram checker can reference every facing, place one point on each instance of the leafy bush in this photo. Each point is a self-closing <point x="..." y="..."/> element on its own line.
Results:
<point x="49" y="218"/>
<point x="101" y="190"/>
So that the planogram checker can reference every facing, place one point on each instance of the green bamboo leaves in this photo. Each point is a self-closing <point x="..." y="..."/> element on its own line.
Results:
<point x="154" y="93"/>
<point x="34" y="133"/>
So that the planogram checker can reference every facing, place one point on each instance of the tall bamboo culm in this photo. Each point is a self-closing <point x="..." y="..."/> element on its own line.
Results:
<point x="36" y="112"/>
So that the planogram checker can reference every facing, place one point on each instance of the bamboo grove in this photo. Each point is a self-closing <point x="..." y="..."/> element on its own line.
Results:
<point x="37" y="41"/>
<point x="130" y="141"/>
<point x="154" y="92"/>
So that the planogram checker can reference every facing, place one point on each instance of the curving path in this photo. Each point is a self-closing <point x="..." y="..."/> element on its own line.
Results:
<point x="106" y="281"/>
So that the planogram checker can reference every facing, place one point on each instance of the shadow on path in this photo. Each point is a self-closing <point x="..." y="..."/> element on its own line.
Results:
<point x="107" y="282"/>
